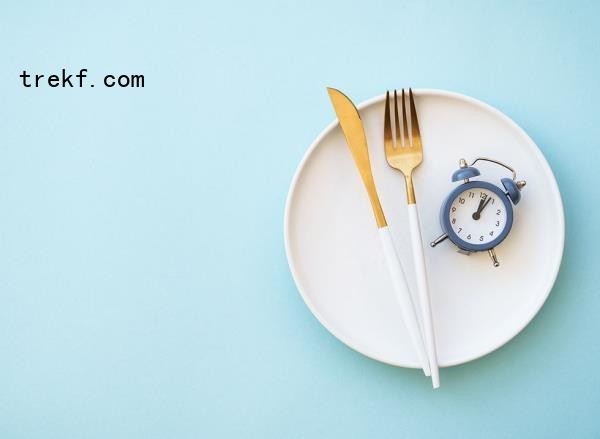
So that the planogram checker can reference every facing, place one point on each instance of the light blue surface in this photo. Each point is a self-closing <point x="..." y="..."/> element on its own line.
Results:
<point x="144" y="291"/>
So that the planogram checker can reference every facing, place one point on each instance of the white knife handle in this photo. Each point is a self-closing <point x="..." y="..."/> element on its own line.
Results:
<point x="423" y="290"/>
<point x="409" y="314"/>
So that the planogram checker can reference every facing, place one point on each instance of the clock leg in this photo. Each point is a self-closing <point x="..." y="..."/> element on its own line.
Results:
<point x="492" y="254"/>
<point x="437" y="240"/>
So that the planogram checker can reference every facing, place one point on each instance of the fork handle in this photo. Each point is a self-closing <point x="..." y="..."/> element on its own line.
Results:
<point x="403" y="296"/>
<point x="423" y="290"/>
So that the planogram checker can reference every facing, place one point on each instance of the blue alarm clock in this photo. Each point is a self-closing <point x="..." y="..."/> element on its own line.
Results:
<point x="477" y="215"/>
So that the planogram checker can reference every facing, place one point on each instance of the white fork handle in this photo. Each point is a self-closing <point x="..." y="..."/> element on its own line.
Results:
<point x="409" y="314"/>
<point x="423" y="290"/>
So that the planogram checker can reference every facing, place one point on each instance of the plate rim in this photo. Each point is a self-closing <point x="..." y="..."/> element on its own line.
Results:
<point x="372" y="101"/>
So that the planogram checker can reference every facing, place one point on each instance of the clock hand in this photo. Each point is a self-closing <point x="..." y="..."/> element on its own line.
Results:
<point x="485" y="204"/>
<point x="477" y="213"/>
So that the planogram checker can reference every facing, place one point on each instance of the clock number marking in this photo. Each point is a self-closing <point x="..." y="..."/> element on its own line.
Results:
<point x="461" y="200"/>
<point x="469" y="236"/>
<point x="498" y="212"/>
<point x="481" y="238"/>
<point x="453" y="220"/>
<point x="459" y="229"/>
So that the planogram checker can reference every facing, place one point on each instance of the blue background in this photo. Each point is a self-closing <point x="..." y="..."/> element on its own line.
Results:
<point x="144" y="290"/>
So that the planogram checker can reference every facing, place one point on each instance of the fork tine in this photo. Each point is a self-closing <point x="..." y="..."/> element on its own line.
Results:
<point x="387" y="128"/>
<point x="404" y="123"/>
<point x="397" y="121"/>
<point x="414" y="123"/>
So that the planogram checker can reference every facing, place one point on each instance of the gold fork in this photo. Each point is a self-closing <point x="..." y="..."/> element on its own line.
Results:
<point x="405" y="155"/>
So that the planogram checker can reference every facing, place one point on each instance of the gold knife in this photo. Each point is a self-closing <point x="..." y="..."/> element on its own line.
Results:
<point x="354" y="132"/>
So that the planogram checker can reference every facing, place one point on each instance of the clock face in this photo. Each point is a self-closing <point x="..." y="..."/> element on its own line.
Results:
<point x="479" y="216"/>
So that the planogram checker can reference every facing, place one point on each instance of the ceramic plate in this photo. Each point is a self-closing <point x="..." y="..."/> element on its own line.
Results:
<point x="334" y="251"/>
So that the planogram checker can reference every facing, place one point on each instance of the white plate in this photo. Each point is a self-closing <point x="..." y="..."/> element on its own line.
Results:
<point x="335" y="256"/>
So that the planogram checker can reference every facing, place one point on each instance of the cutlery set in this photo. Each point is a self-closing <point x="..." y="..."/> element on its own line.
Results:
<point x="357" y="142"/>
<point x="404" y="153"/>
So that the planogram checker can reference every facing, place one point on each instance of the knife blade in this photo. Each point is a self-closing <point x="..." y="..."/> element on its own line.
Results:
<point x="354" y="132"/>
